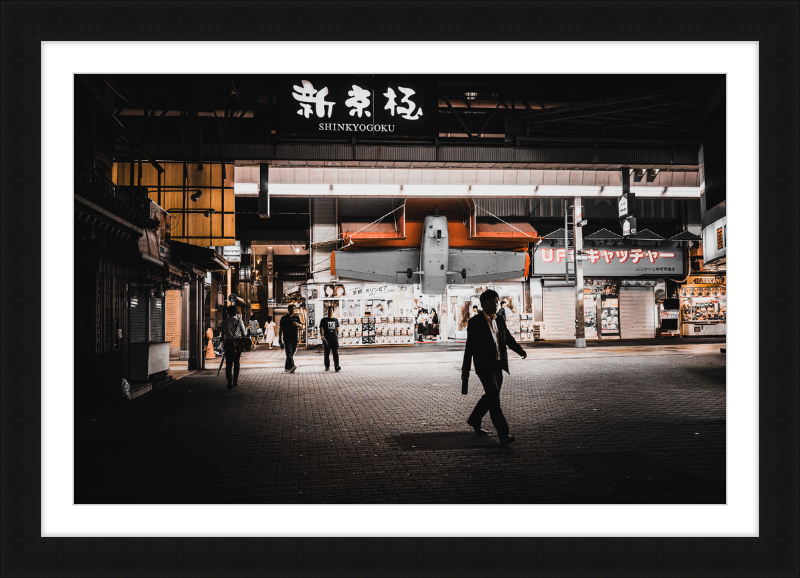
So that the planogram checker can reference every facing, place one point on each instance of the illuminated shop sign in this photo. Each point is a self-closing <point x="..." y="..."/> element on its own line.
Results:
<point x="358" y="104"/>
<point x="624" y="260"/>
<point x="715" y="240"/>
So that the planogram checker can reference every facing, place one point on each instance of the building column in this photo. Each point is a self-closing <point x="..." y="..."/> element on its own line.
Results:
<point x="577" y="234"/>
<point x="184" y="355"/>
<point x="269" y="268"/>
<point x="536" y="299"/>
<point x="196" y="354"/>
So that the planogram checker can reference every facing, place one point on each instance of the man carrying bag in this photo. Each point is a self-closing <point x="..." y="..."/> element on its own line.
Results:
<point x="235" y="342"/>
<point x="487" y="338"/>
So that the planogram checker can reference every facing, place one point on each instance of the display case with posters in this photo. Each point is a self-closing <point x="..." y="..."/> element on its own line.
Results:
<point x="609" y="315"/>
<point x="311" y="326"/>
<point x="703" y="306"/>
<point x="511" y="295"/>
<point x="595" y="290"/>
<point x="376" y="331"/>
<point x="526" y="327"/>
<point x="590" y="302"/>
<point x="464" y="303"/>
<point x="369" y="313"/>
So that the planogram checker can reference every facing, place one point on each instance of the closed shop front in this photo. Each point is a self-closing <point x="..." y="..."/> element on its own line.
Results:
<point x="637" y="312"/>
<point x="559" y="310"/>
<point x="630" y="312"/>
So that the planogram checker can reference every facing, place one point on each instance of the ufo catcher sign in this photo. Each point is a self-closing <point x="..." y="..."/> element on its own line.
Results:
<point x="624" y="260"/>
<point x="370" y="105"/>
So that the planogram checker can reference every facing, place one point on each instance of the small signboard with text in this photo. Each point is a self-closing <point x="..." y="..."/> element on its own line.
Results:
<point x="232" y="253"/>
<point x="715" y="240"/>
<point x="626" y="205"/>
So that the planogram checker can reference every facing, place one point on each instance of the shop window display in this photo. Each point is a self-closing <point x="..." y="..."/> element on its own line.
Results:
<point x="703" y="304"/>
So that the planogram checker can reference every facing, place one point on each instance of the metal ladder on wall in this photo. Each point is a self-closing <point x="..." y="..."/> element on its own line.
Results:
<point x="568" y="224"/>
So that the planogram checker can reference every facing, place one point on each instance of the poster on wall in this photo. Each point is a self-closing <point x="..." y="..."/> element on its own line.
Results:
<point x="350" y="308"/>
<point x="590" y="316"/>
<point x="609" y="315"/>
<point x="333" y="291"/>
<point x="331" y="303"/>
<point x="312" y="323"/>
<point x="511" y="302"/>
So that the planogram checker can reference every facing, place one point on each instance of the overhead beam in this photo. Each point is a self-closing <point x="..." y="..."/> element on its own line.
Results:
<point x="450" y="106"/>
<point x="566" y="115"/>
<point x="130" y="136"/>
<point x="618" y="100"/>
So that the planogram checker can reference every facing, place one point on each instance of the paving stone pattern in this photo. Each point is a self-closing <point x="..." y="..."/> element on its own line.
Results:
<point x="589" y="430"/>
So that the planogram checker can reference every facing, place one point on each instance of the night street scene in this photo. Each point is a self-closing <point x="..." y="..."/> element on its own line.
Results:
<point x="400" y="289"/>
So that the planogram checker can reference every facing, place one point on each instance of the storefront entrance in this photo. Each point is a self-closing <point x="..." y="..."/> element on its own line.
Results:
<point x="637" y="312"/>
<point x="559" y="311"/>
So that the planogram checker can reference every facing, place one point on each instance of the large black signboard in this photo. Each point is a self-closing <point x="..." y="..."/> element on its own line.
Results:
<point x="353" y="105"/>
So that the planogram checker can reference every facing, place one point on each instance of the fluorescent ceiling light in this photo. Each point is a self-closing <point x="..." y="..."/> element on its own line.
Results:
<point x="245" y="189"/>
<point x="477" y="191"/>
<point x="435" y="191"/>
<point x="365" y="190"/>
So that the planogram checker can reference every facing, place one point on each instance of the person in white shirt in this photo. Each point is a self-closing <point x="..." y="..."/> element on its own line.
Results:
<point x="487" y="338"/>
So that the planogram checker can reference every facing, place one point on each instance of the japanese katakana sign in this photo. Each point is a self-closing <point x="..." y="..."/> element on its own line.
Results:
<point x="624" y="260"/>
<point x="358" y="104"/>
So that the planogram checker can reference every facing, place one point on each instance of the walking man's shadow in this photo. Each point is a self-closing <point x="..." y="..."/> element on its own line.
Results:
<point x="429" y="441"/>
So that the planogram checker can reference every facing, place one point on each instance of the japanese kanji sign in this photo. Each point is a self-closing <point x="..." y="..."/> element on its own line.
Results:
<point x="624" y="260"/>
<point x="367" y="104"/>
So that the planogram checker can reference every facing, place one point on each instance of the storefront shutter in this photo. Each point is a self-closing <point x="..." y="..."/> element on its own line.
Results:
<point x="637" y="312"/>
<point x="559" y="312"/>
<point x="157" y="322"/>
<point x="138" y="317"/>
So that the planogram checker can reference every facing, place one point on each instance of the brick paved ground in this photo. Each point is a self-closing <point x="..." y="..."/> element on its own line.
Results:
<point x="606" y="429"/>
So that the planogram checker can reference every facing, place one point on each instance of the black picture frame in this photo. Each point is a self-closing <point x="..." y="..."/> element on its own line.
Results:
<point x="773" y="24"/>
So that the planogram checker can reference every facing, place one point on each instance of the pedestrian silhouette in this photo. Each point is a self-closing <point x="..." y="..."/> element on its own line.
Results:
<point x="232" y="329"/>
<point x="329" y="327"/>
<point x="487" y="338"/>
<point x="287" y="336"/>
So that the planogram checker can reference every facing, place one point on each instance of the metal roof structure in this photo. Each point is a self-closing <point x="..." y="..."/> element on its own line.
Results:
<point x="685" y="236"/>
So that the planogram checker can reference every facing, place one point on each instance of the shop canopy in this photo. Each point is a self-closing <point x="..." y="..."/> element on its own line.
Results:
<point x="685" y="236"/>
<point x="646" y="237"/>
<point x="503" y="230"/>
<point x="603" y="235"/>
<point x="199" y="257"/>
<point x="557" y="234"/>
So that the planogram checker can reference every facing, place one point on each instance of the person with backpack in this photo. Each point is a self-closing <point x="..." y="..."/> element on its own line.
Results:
<point x="232" y="328"/>
<point x="254" y="331"/>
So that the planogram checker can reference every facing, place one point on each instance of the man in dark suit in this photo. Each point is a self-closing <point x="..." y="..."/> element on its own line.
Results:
<point x="502" y="311"/>
<point x="487" y="338"/>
